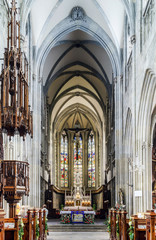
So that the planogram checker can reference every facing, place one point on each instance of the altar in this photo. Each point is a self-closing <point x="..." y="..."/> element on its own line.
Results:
<point x="70" y="217"/>
<point x="78" y="207"/>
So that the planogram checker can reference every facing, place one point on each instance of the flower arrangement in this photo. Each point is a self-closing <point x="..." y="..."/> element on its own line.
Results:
<point x="21" y="229"/>
<point x="131" y="229"/>
<point x="37" y="228"/>
<point x="66" y="218"/>
<point x="117" y="206"/>
<point x="117" y="225"/>
<point x="88" y="219"/>
<point x="46" y="227"/>
<point x="108" y="224"/>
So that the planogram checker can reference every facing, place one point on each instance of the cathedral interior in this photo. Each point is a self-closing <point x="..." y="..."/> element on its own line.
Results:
<point x="78" y="103"/>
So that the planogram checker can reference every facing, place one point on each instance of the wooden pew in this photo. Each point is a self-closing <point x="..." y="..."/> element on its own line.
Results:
<point x="118" y="216"/>
<point x="35" y="213"/>
<point x="144" y="228"/>
<point x="11" y="228"/>
<point x="139" y="228"/>
<point x="113" y="224"/>
<point x="44" y="221"/>
<point x="123" y="226"/>
<point x="41" y="222"/>
<point x="30" y="225"/>
<point x="28" y="230"/>
<point x="150" y="225"/>
<point x="2" y="214"/>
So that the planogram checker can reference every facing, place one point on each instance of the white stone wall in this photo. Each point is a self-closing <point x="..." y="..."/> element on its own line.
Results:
<point x="138" y="100"/>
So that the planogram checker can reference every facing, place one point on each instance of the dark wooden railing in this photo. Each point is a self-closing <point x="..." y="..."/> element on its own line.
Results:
<point x="9" y="227"/>
<point x="144" y="228"/>
<point x="122" y="224"/>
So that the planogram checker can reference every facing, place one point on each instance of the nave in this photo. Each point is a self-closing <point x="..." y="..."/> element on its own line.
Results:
<point x="77" y="115"/>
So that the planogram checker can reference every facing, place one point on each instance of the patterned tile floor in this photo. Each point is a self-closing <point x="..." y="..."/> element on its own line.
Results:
<point x="78" y="236"/>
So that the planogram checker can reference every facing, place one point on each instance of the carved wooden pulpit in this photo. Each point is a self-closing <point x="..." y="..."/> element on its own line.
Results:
<point x="15" y="183"/>
<point x="15" y="114"/>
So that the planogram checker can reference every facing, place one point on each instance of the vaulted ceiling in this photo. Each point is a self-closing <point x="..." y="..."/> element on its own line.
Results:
<point x="77" y="55"/>
<point x="109" y="15"/>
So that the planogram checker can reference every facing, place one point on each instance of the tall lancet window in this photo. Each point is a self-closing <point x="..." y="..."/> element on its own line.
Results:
<point x="78" y="159"/>
<point x="91" y="160"/>
<point x="64" y="160"/>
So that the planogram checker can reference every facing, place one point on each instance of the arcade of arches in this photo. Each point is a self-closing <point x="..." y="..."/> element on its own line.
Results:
<point x="92" y="90"/>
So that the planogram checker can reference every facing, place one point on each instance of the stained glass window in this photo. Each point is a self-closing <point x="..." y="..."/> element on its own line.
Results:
<point x="64" y="160"/>
<point x="91" y="161"/>
<point x="78" y="158"/>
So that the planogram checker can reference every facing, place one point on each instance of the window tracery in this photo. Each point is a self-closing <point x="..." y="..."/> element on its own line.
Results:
<point x="64" y="160"/>
<point x="91" y="161"/>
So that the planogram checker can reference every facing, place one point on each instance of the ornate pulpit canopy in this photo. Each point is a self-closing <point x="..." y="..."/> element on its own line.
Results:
<point x="15" y="114"/>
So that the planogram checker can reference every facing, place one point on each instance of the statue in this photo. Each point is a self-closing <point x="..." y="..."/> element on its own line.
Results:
<point x="77" y="178"/>
<point x="120" y="196"/>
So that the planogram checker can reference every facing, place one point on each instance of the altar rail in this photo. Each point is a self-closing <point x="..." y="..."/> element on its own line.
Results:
<point x="144" y="228"/>
<point x="10" y="227"/>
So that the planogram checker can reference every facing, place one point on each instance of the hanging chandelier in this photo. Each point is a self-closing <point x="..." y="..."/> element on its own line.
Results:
<point x="15" y="114"/>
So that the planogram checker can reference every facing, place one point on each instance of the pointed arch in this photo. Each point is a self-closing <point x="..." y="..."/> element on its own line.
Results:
<point x="144" y="133"/>
<point x="87" y="26"/>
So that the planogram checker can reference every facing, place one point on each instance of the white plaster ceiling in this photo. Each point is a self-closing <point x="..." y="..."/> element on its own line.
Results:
<point x="107" y="14"/>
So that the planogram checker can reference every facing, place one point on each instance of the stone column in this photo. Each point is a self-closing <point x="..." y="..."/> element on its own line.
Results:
<point x="144" y="178"/>
<point x="118" y="141"/>
<point x="55" y="163"/>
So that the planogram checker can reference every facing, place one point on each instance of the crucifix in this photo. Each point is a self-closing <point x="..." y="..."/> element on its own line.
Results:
<point x="77" y="131"/>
